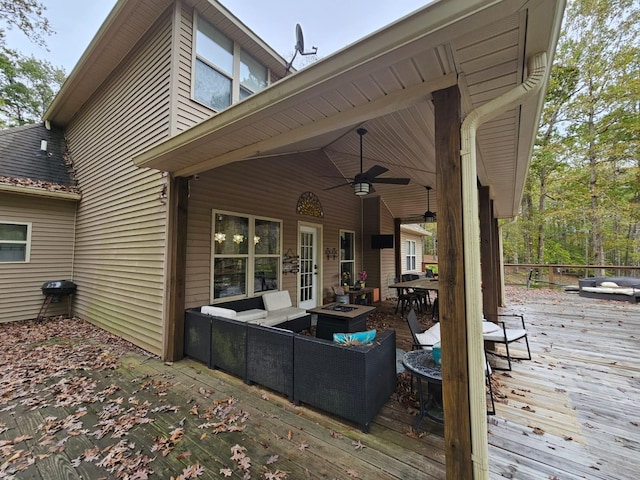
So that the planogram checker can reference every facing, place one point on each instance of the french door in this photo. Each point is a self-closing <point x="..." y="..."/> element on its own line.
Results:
<point x="309" y="274"/>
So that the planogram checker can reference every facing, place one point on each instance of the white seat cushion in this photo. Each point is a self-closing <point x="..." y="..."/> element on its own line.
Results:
<point x="429" y="337"/>
<point x="253" y="314"/>
<point x="218" y="311"/>
<point x="490" y="327"/>
<point x="276" y="300"/>
<point x="512" y="335"/>
<point x="271" y="320"/>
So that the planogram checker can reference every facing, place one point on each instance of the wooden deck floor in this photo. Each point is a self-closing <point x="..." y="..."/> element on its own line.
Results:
<point x="569" y="413"/>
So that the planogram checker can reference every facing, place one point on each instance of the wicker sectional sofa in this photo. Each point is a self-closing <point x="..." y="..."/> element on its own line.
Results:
<point x="349" y="381"/>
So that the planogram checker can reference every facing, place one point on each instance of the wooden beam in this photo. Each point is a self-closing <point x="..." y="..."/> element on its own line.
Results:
<point x="451" y="295"/>
<point x="397" y="222"/>
<point x="488" y="243"/>
<point x="176" y="271"/>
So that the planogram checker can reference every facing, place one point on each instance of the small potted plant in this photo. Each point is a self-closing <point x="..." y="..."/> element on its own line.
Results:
<point x="363" y="278"/>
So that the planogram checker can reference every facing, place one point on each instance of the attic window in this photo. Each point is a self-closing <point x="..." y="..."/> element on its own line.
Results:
<point x="15" y="242"/>
<point x="223" y="72"/>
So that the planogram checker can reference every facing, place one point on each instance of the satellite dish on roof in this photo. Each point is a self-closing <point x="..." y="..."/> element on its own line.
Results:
<point x="299" y="47"/>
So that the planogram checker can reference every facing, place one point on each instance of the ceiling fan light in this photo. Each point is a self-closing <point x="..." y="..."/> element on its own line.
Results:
<point x="361" y="188"/>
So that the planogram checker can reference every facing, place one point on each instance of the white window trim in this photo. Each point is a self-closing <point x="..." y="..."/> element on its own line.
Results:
<point x="410" y="253"/>
<point x="249" y="256"/>
<point x="235" y="78"/>
<point x="27" y="253"/>
<point x="341" y="262"/>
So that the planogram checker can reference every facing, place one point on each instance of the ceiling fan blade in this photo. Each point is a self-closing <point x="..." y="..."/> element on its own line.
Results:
<point x="395" y="181"/>
<point x="338" y="186"/>
<point x="374" y="172"/>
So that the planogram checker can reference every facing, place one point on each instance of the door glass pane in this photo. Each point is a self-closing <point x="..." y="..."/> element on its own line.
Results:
<point x="306" y="266"/>
<point x="229" y="277"/>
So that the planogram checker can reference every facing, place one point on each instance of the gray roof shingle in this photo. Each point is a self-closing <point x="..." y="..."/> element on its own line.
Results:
<point x="21" y="157"/>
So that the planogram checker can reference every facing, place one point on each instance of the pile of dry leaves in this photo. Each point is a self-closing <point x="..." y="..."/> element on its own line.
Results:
<point x="53" y="366"/>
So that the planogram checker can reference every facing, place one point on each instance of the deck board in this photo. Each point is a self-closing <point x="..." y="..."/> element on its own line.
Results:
<point x="569" y="413"/>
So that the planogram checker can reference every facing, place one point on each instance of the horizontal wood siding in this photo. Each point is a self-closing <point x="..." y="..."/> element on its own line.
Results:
<point x="186" y="112"/>
<point x="52" y="229"/>
<point x="268" y="187"/>
<point x="120" y="241"/>
<point x="403" y="251"/>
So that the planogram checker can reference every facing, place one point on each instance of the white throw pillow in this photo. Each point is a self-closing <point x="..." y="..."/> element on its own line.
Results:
<point x="609" y="284"/>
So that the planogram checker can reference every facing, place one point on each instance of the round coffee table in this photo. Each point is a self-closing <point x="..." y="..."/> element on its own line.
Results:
<point x="421" y="364"/>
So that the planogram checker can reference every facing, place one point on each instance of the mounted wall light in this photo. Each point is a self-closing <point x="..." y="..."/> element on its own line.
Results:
<point x="429" y="216"/>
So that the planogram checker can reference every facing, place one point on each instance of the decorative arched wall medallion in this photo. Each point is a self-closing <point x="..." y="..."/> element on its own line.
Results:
<point x="309" y="204"/>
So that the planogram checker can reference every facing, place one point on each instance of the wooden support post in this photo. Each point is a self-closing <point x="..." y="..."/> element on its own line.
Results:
<point x="451" y="295"/>
<point x="488" y="243"/>
<point x="398" y="248"/>
<point x="176" y="271"/>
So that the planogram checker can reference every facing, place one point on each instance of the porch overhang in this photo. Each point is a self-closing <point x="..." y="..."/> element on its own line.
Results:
<point x="384" y="82"/>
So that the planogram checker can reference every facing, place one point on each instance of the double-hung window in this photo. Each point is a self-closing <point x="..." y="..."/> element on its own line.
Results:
<point x="223" y="72"/>
<point x="410" y="246"/>
<point x="15" y="242"/>
<point x="246" y="253"/>
<point x="347" y="257"/>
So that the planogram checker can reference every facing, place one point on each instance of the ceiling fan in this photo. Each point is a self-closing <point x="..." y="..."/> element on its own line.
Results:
<point x="426" y="217"/>
<point x="362" y="182"/>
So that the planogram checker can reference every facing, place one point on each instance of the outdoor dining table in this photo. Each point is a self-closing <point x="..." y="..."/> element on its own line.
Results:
<point x="420" y="284"/>
<point x="428" y="284"/>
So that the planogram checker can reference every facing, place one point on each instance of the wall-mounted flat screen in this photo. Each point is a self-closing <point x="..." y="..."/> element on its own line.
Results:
<point x="381" y="241"/>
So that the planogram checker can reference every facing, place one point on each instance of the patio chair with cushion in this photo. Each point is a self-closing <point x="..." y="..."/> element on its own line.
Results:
<point x="495" y="330"/>
<point x="426" y="339"/>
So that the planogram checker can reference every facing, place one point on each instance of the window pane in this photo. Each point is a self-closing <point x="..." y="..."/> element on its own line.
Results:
<point x="253" y="74"/>
<point x="12" y="252"/>
<point x="347" y="250"/>
<point x="266" y="274"/>
<point x="13" y="232"/>
<point x="267" y="237"/>
<point x="229" y="277"/>
<point x="244" y="93"/>
<point x="230" y="235"/>
<point x="212" y="45"/>
<point x="211" y="87"/>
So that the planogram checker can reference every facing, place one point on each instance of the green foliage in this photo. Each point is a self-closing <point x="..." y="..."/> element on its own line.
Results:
<point x="582" y="198"/>
<point x="27" y="87"/>
<point x="27" y="16"/>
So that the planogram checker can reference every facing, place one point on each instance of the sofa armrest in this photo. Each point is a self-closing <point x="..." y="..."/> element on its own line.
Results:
<point x="353" y="382"/>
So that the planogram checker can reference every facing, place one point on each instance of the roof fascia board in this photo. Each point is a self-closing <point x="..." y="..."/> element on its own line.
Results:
<point x="37" y="192"/>
<point x="424" y="22"/>
<point x="390" y="103"/>
<point x="100" y="37"/>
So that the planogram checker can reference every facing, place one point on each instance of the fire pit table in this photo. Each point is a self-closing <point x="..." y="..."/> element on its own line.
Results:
<point x="340" y="318"/>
